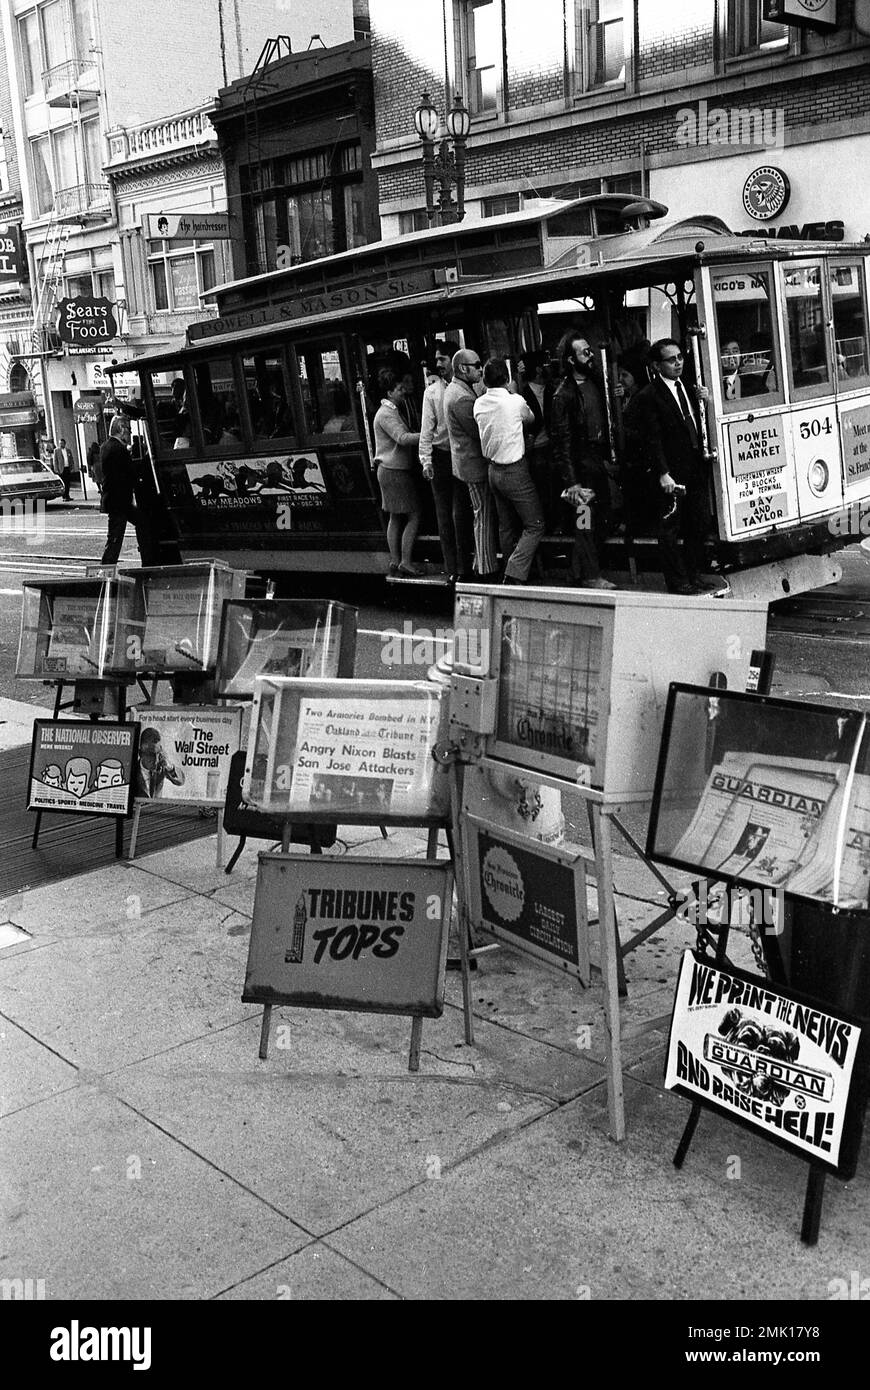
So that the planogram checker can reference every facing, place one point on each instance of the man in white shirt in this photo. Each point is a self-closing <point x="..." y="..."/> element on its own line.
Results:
<point x="450" y="495"/>
<point x="502" y="417"/>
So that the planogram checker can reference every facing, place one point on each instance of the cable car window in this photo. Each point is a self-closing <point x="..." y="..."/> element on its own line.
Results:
<point x="169" y="390"/>
<point x="850" y="322"/>
<point x="266" y="393"/>
<point x="326" y="394"/>
<point x="218" y="404"/>
<point x="744" y="307"/>
<point x="805" y="314"/>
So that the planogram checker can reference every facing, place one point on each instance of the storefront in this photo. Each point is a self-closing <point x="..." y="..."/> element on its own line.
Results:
<point x="19" y="422"/>
<point x="808" y="192"/>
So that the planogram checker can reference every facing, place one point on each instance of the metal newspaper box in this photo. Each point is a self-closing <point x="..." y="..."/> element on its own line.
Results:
<point x="574" y="683"/>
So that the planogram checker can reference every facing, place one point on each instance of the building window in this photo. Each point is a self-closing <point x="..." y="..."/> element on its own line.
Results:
<point x="56" y="38"/>
<point x="31" y="54"/>
<point x="501" y="204"/>
<point x="88" y="273"/>
<point x="180" y="272"/>
<point x="40" y="160"/>
<point x="600" y="43"/>
<point x="749" y="32"/>
<point x="482" y="49"/>
<point x="416" y="220"/>
<point x="92" y="139"/>
<point x="303" y="207"/>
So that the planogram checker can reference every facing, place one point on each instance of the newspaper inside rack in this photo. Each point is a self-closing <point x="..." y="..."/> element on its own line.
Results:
<point x="774" y="821"/>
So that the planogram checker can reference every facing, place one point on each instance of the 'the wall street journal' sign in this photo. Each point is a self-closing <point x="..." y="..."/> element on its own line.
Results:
<point x="306" y="306"/>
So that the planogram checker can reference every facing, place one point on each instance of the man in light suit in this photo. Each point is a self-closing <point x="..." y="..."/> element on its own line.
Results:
<point x="663" y="420"/>
<point x="62" y="462"/>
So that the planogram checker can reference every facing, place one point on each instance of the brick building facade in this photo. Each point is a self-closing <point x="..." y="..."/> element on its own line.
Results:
<point x="575" y="96"/>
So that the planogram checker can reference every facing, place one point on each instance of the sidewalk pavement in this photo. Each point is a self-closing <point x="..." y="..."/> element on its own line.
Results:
<point x="146" y="1151"/>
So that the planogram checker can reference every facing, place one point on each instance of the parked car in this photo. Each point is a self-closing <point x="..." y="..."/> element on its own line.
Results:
<point x="28" y="478"/>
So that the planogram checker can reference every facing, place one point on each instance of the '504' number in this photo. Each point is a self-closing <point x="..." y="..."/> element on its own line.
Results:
<point x="811" y="429"/>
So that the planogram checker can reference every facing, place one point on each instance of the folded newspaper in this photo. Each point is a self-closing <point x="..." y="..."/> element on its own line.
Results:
<point x="783" y="823"/>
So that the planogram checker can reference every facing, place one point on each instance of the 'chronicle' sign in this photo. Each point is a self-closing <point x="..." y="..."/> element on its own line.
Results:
<point x="78" y="766"/>
<point x="360" y="934"/>
<point x="529" y="898"/>
<point x="769" y="1059"/>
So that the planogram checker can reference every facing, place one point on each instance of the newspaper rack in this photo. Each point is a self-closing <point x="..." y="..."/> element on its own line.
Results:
<point x="734" y="803"/>
<point x="562" y="691"/>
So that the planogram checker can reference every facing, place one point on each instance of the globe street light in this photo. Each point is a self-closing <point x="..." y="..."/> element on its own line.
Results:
<point x="446" y="165"/>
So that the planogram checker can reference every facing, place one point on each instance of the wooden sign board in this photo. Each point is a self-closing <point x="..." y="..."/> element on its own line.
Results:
<point x="80" y="767"/>
<point x="774" y="1061"/>
<point x="360" y="934"/>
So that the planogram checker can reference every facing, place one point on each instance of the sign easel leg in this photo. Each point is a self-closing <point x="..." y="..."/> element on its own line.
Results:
<point x="813" y="1205"/>
<point x="416" y="1042"/>
<point x="134" y="832"/>
<point x="119" y="837"/>
<point x="236" y="854"/>
<point x="620" y="967"/>
<point x="609" y="971"/>
<point x="264" y="1032"/>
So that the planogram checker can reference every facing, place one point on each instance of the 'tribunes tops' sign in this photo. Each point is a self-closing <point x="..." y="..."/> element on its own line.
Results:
<point x="87" y="322"/>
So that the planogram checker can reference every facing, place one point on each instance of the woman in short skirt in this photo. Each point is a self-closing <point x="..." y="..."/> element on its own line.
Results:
<point x="400" y="492"/>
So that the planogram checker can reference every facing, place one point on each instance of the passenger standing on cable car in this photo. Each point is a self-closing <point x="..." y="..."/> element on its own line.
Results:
<point x="469" y="464"/>
<point x="395" y="451"/>
<point x="452" y="503"/>
<point x="578" y="438"/>
<point x="664" y="421"/>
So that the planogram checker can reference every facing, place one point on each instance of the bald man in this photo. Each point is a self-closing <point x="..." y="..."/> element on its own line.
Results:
<point x="469" y="464"/>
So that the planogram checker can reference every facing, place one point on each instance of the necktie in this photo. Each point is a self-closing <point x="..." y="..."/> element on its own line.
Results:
<point x="688" y="414"/>
<point x="729" y="389"/>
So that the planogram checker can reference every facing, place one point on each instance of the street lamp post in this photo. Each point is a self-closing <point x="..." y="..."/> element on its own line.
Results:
<point x="446" y="165"/>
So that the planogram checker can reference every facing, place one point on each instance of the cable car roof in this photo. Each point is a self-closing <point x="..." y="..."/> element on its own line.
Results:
<point x="672" y="250"/>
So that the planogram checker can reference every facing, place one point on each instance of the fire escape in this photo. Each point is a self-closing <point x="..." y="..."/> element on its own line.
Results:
<point x="72" y="85"/>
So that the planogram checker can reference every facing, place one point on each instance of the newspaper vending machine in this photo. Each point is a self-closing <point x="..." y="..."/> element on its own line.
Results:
<point x="556" y="707"/>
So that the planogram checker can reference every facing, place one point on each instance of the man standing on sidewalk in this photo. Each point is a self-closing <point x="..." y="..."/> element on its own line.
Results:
<point x="469" y="464"/>
<point x="452" y="503"/>
<point x="62" y="462"/>
<point x="501" y="417"/>
<point x="119" y="477"/>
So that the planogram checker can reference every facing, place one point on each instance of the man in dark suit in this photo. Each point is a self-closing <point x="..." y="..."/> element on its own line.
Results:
<point x="663" y="420"/>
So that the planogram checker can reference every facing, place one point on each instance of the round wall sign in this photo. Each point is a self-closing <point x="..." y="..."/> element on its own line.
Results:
<point x="766" y="192"/>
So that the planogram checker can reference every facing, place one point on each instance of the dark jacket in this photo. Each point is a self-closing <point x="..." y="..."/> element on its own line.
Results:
<point x="658" y="435"/>
<point x="119" y="476"/>
<point x="569" y="430"/>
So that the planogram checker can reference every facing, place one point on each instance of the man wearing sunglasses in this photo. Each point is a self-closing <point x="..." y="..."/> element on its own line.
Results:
<point x="469" y="464"/>
<point x="663" y="417"/>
